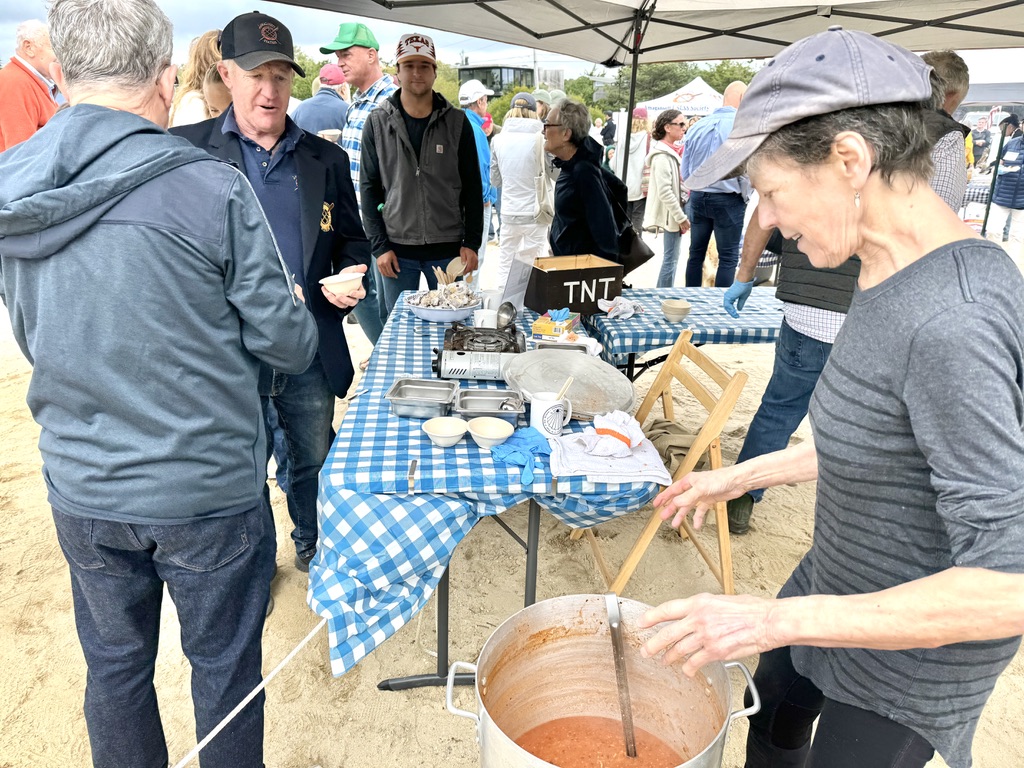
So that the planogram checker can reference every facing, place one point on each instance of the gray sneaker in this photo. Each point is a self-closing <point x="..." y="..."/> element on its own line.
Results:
<point x="740" y="512"/>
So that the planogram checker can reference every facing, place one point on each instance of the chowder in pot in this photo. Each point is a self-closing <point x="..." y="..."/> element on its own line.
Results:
<point x="553" y="661"/>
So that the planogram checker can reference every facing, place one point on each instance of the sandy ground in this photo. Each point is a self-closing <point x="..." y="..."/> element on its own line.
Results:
<point x="315" y="719"/>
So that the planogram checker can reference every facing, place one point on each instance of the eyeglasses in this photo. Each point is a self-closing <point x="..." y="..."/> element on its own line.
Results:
<point x="679" y="124"/>
<point x="551" y="125"/>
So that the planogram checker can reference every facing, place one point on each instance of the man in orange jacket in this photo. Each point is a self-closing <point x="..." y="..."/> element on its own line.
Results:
<point x="26" y="90"/>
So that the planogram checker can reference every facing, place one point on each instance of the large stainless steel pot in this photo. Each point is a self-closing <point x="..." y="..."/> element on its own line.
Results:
<point x="554" y="660"/>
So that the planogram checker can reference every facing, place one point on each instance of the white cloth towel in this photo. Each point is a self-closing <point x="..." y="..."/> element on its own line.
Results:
<point x="593" y="345"/>
<point x="620" y="307"/>
<point x="606" y="458"/>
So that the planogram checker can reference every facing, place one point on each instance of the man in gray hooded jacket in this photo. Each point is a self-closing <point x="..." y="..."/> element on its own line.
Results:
<point x="145" y="287"/>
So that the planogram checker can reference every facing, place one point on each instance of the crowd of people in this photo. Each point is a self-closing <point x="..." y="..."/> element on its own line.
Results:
<point x="199" y="336"/>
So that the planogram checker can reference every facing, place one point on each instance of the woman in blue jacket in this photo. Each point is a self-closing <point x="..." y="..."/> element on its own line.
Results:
<point x="1008" y="197"/>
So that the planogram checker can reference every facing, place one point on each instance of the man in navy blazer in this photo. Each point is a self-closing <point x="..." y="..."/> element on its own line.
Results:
<point x="305" y="189"/>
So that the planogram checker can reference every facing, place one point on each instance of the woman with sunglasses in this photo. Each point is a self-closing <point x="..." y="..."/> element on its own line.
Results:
<point x="664" y="207"/>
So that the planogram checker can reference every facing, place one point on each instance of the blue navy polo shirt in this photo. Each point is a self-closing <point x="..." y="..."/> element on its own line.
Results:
<point x="274" y="177"/>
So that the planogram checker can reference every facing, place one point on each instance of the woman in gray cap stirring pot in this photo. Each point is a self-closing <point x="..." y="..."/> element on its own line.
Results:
<point x="910" y="602"/>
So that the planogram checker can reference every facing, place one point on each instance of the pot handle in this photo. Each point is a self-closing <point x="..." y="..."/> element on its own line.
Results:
<point x="753" y="709"/>
<point x="472" y="668"/>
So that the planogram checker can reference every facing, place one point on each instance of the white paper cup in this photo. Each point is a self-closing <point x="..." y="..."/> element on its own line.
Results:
<point x="485" y="318"/>
<point x="331" y="134"/>
<point x="492" y="299"/>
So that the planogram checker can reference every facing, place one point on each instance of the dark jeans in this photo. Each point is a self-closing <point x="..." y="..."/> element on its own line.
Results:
<point x="409" y="278"/>
<point x="217" y="571"/>
<point x="846" y="737"/>
<point x="305" y="409"/>
<point x="370" y="311"/>
<point x="799" y="361"/>
<point x="720" y="214"/>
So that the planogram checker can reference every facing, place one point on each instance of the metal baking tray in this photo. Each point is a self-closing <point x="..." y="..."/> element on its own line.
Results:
<point x="500" y="403"/>
<point x="565" y="346"/>
<point x="421" y="398"/>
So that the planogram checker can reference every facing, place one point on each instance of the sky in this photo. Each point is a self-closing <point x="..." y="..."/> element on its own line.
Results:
<point x="312" y="28"/>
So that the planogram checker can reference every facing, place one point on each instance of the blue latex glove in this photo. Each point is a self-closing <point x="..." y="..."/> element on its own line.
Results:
<point x="736" y="296"/>
<point x="521" y="450"/>
<point x="558" y="315"/>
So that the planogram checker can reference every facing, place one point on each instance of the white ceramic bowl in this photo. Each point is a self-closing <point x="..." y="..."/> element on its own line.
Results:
<point x="445" y="431"/>
<point x="675" y="310"/>
<point x="343" y="283"/>
<point x="489" y="431"/>
<point x="435" y="315"/>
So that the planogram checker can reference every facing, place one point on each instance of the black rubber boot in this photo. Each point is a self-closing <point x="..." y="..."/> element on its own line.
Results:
<point x="740" y="512"/>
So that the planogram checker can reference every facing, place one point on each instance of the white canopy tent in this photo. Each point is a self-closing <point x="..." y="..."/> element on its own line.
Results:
<point x="694" y="98"/>
<point x="616" y="32"/>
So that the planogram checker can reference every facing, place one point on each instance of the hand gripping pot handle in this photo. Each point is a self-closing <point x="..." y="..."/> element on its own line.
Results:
<point x="472" y="668"/>
<point x="753" y="709"/>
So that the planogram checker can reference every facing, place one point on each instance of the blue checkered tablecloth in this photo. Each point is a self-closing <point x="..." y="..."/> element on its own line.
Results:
<point x="388" y="527"/>
<point x="759" y="322"/>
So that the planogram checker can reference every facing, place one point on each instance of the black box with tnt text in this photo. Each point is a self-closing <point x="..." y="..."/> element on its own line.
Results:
<point x="576" y="282"/>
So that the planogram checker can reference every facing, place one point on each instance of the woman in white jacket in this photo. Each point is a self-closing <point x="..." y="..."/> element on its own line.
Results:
<point x="520" y="168"/>
<point x="664" y="209"/>
<point x="639" y="146"/>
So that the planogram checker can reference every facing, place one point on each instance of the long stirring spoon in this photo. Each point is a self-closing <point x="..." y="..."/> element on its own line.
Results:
<point x="615" y="625"/>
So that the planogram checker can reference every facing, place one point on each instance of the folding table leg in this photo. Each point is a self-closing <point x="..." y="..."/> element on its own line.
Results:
<point x="440" y="678"/>
<point x="532" y="542"/>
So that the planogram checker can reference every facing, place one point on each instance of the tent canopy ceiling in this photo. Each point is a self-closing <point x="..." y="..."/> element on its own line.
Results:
<point x="695" y="30"/>
<point x="995" y="93"/>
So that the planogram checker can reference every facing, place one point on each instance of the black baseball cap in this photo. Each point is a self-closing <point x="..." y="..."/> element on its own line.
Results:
<point x="253" y="39"/>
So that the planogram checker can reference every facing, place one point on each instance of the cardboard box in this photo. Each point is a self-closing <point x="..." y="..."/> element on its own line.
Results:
<point x="576" y="282"/>
<point x="546" y="328"/>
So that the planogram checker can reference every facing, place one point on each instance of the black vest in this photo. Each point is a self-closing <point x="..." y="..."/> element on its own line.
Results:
<point x="802" y="283"/>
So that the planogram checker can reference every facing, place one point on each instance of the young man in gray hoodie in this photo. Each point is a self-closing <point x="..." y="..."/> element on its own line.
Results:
<point x="145" y="287"/>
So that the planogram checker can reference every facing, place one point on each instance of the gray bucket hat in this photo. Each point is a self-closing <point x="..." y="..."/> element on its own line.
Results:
<point x="833" y="70"/>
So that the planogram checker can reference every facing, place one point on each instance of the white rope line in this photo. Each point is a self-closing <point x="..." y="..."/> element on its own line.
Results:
<point x="255" y="691"/>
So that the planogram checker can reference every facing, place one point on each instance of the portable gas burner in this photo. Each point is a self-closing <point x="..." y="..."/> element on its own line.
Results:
<point x="477" y="353"/>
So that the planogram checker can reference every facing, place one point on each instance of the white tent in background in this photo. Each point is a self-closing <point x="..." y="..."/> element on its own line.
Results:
<point x="694" y="98"/>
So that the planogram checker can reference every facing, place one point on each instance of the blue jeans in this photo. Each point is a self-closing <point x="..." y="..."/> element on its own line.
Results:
<point x="305" y="409"/>
<point x="799" y="361"/>
<point x="217" y="571"/>
<point x="667" y="276"/>
<point x="369" y="311"/>
<point x="721" y="214"/>
<point x="409" y="278"/>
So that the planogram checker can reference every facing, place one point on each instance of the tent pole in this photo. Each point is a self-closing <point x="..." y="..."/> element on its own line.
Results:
<point x="624" y="148"/>
<point x="992" y="186"/>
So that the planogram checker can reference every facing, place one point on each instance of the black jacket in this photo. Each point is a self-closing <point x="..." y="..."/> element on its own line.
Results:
<point x="583" y="221"/>
<point x="608" y="133"/>
<point x="332" y="233"/>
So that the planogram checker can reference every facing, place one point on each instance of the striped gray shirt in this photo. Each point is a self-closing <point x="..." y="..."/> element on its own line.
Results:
<point x="918" y="422"/>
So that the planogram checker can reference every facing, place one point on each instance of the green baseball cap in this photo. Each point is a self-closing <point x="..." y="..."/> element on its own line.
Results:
<point x="352" y="34"/>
